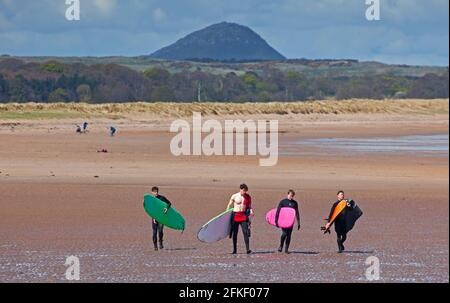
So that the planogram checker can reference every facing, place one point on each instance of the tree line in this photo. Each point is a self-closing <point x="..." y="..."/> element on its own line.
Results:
<point x="56" y="82"/>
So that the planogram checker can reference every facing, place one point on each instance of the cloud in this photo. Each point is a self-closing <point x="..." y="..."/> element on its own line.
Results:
<point x="7" y="3"/>
<point x="106" y="7"/>
<point x="4" y="23"/>
<point x="158" y="15"/>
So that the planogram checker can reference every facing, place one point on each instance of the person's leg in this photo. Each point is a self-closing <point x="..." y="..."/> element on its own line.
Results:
<point x="155" y="234"/>
<point x="231" y="225"/>
<point x="244" y="226"/>
<point x="235" y="231"/>
<point x="283" y="239"/>
<point x="343" y="239"/>
<point x="288" y="238"/>
<point x="339" y="243"/>
<point x="161" y="236"/>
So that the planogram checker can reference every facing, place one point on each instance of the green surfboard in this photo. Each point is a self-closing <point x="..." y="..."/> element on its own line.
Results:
<point x="155" y="209"/>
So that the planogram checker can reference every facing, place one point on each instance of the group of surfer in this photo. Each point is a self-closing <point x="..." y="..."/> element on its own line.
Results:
<point x="343" y="215"/>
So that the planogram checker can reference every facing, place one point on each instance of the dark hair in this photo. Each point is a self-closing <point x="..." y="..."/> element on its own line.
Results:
<point x="291" y="191"/>
<point x="340" y="192"/>
<point x="243" y="186"/>
<point x="155" y="189"/>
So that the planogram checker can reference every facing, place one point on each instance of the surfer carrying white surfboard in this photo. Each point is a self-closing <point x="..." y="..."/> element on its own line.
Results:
<point x="241" y="203"/>
<point x="158" y="229"/>
<point x="286" y="235"/>
<point x="344" y="214"/>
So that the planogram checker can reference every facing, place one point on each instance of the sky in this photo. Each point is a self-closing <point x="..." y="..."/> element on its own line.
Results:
<point x="414" y="32"/>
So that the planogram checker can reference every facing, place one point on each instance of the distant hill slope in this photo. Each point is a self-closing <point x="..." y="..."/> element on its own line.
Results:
<point x="223" y="42"/>
<point x="308" y="68"/>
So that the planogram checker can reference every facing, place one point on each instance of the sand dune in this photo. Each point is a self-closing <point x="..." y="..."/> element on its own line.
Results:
<point x="127" y="110"/>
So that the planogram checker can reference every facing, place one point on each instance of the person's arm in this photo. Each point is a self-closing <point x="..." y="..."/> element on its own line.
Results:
<point x="277" y="216"/>
<point x="331" y="211"/>
<point x="164" y="199"/>
<point x="327" y="226"/>
<point x="297" y="214"/>
<point x="230" y="204"/>
<point x="250" y="205"/>
<point x="351" y="203"/>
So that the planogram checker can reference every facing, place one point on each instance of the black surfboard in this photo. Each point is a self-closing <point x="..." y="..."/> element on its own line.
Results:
<point x="351" y="216"/>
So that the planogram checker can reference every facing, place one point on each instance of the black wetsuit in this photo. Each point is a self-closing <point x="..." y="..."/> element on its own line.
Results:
<point x="287" y="232"/>
<point x="158" y="229"/>
<point x="245" y="231"/>
<point x="340" y="223"/>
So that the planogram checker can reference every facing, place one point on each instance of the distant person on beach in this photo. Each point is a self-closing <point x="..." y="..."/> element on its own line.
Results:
<point x="112" y="131"/>
<point x="241" y="203"/>
<point x="85" y="126"/>
<point x="345" y="220"/>
<point x="78" y="130"/>
<point x="287" y="232"/>
<point x="158" y="229"/>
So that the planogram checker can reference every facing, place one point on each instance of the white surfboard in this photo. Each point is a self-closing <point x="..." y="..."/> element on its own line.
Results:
<point x="216" y="229"/>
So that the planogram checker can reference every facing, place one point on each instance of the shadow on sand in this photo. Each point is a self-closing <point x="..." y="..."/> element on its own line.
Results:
<point x="263" y="252"/>
<point x="181" y="249"/>
<point x="305" y="252"/>
<point x="278" y="253"/>
<point x="361" y="252"/>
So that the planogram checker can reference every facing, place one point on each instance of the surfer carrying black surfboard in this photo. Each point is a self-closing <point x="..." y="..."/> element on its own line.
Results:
<point x="241" y="203"/>
<point x="287" y="232"/>
<point x="343" y="214"/>
<point x="158" y="229"/>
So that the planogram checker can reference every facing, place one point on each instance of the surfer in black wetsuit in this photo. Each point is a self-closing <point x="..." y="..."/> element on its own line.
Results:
<point x="345" y="221"/>
<point x="287" y="232"/>
<point x="158" y="229"/>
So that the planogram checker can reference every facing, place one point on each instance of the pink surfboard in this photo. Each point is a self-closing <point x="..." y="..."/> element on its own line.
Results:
<point x="285" y="220"/>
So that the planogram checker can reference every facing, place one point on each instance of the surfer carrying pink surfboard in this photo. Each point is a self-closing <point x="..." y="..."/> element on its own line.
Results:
<point x="286" y="235"/>
<point x="241" y="203"/>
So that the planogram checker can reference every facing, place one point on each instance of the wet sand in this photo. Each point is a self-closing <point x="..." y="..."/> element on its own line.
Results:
<point x="59" y="197"/>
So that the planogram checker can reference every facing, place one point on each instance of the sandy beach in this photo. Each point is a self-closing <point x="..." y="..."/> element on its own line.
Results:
<point x="60" y="197"/>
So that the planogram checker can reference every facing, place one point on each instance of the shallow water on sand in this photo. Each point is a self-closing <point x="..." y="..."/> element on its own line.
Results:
<point x="437" y="145"/>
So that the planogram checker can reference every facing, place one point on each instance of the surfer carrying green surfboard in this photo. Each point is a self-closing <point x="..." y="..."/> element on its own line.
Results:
<point x="158" y="229"/>
<point x="241" y="203"/>
<point x="289" y="202"/>
<point x="343" y="214"/>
